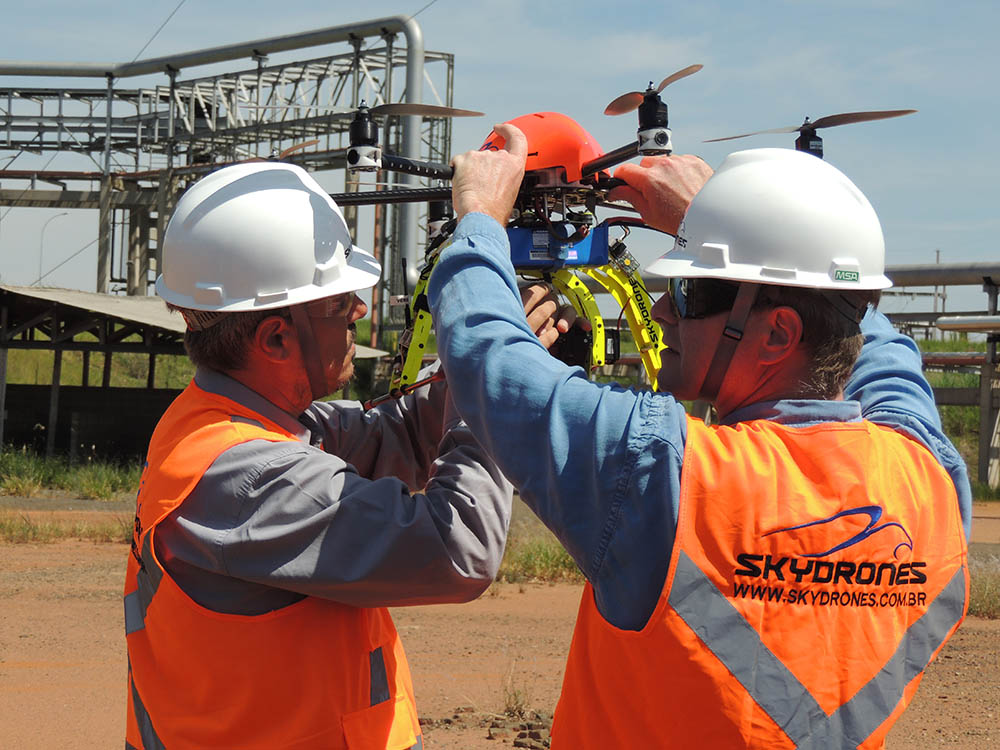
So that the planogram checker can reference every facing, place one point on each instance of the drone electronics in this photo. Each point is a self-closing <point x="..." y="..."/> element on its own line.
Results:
<point x="811" y="143"/>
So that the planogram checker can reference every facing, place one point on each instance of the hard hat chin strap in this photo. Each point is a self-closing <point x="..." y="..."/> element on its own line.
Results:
<point x="732" y="334"/>
<point x="310" y="352"/>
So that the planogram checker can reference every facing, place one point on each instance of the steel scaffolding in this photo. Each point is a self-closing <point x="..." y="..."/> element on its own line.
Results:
<point x="148" y="144"/>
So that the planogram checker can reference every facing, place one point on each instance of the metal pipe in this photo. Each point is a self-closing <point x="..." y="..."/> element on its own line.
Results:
<point x="411" y="144"/>
<point x="945" y="274"/>
<point x="207" y="56"/>
<point x="978" y="324"/>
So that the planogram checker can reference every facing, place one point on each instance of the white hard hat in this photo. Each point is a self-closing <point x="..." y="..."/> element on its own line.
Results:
<point x="778" y="216"/>
<point x="258" y="236"/>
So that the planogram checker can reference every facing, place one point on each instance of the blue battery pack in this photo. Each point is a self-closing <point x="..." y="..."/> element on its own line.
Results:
<point x="539" y="248"/>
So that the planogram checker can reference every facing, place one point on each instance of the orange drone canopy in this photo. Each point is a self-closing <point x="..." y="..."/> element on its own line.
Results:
<point x="554" y="140"/>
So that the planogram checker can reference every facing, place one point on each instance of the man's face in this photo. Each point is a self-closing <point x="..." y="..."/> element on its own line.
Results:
<point x="333" y="321"/>
<point x="691" y="337"/>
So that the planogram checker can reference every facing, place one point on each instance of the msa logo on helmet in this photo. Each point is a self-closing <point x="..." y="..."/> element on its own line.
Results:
<point x="489" y="146"/>
<point x="842" y="274"/>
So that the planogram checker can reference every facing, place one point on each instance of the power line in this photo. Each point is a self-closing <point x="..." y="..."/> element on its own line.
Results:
<point x="157" y="32"/>
<point x="422" y="10"/>
<point x="410" y="18"/>
<point x="60" y="265"/>
<point x="11" y="208"/>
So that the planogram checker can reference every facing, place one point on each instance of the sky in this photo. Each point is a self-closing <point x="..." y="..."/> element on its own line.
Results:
<point x="931" y="176"/>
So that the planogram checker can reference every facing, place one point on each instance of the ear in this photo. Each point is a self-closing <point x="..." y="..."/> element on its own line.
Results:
<point x="781" y="336"/>
<point x="274" y="339"/>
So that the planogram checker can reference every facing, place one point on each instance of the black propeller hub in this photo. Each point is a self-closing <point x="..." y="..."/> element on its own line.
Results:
<point x="809" y="142"/>
<point x="363" y="130"/>
<point x="652" y="112"/>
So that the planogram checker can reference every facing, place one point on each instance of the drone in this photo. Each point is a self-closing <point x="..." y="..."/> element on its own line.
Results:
<point x="553" y="231"/>
<point x="811" y="143"/>
<point x="554" y="234"/>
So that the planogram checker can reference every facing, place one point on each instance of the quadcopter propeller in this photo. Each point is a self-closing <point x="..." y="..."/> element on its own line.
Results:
<point x="630" y="101"/>
<point x="825" y="122"/>
<point x="297" y="147"/>
<point x="399" y="108"/>
<point x="421" y="110"/>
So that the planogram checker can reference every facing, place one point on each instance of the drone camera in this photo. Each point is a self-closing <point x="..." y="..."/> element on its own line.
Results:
<point x="364" y="158"/>
<point x="655" y="142"/>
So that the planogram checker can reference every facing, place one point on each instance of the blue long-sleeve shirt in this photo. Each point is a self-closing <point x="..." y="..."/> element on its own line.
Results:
<point x="600" y="464"/>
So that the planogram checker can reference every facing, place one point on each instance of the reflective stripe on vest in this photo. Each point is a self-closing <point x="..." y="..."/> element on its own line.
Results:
<point x="736" y="644"/>
<point x="150" y="740"/>
<point x="148" y="580"/>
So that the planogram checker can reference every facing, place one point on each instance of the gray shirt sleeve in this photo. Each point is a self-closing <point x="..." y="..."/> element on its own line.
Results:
<point x="398" y="439"/>
<point x="270" y="522"/>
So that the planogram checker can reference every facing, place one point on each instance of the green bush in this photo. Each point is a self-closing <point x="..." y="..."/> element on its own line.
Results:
<point x="26" y="474"/>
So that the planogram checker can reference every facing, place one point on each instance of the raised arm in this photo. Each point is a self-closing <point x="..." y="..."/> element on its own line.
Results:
<point x="889" y="383"/>
<point x="599" y="464"/>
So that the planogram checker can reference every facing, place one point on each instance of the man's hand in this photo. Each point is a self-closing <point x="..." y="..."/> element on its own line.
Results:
<point x="545" y="316"/>
<point x="661" y="188"/>
<point x="487" y="181"/>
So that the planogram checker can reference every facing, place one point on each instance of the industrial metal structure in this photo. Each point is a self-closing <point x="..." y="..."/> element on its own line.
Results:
<point x="147" y="144"/>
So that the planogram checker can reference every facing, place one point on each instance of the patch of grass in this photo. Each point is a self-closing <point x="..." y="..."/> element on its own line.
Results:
<point x="34" y="367"/>
<point x="102" y="481"/>
<point x="958" y="343"/>
<point x="533" y="553"/>
<point x="537" y="559"/>
<point x="983" y="492"/>
<point x="26" y="474"/>
<point x="21" y="529"/>
<point x="984" y="586"/>
<point x="516" y="696"/>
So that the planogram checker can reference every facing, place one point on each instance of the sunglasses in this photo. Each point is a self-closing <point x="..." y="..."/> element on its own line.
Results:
<point x="700" y="297"/>
<point x="330" y="307"/>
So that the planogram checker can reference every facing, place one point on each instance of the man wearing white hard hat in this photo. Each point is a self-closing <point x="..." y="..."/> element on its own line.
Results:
<point x="779" y="579"/>
<point x="272" y="530"/>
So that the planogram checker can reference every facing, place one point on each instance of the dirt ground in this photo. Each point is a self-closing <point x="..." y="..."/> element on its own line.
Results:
<point x="62" y="657"/>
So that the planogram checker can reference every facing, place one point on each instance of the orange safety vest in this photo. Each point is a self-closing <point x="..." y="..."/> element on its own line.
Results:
<point x="816" y="571"/>
<point x="313" y="674"/>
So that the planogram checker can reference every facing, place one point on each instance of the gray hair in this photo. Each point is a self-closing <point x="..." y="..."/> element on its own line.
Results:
<point x="220" y="340"/>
